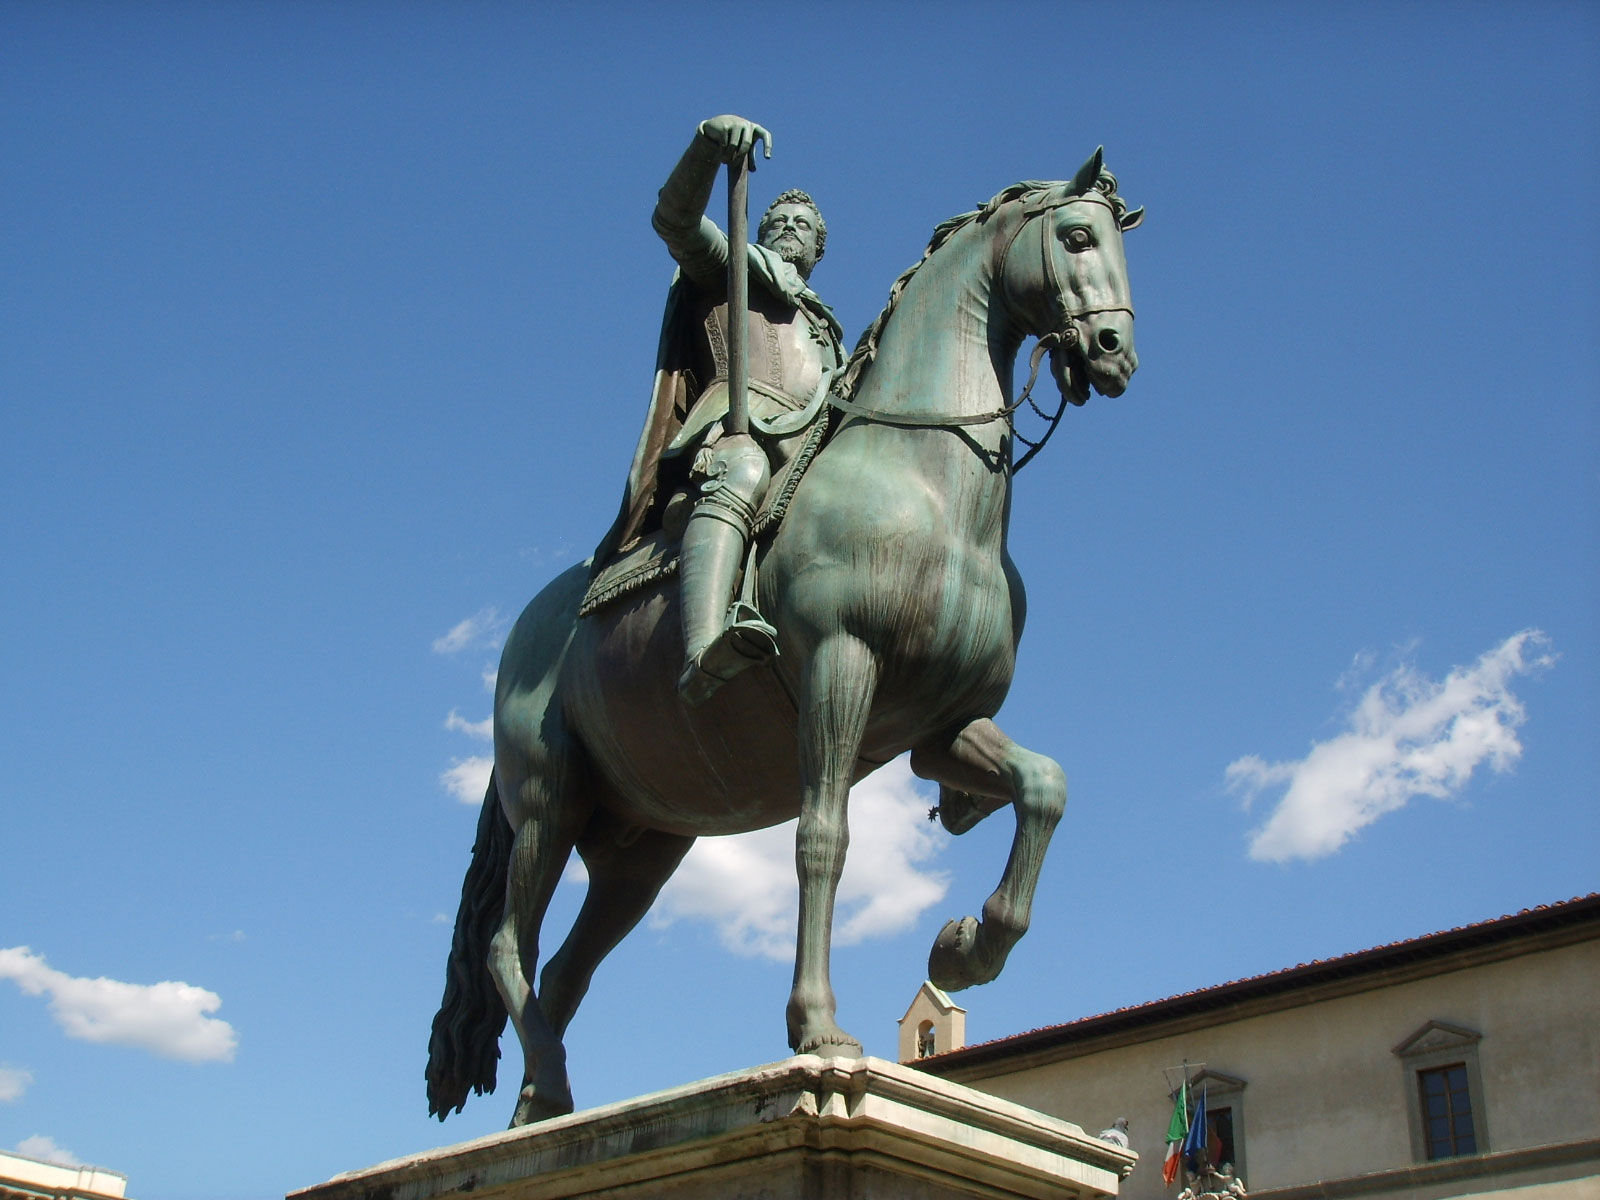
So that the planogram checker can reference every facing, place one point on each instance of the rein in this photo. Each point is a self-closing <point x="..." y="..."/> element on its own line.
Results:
<point x="1066" y="335"/>
<point x="944" y="420"/>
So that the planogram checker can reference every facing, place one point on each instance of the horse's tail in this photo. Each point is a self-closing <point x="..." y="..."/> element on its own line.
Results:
<point x="465" y="1045"/>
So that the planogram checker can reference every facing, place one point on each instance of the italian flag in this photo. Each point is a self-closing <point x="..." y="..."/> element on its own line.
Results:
<point x="1177" y="1130"/>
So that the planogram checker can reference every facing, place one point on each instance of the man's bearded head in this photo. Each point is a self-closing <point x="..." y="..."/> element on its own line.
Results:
<point x="793" y="228"/>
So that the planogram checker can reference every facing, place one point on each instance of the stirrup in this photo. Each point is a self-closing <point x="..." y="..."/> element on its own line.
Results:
<point x="756" y="639"/>
<point x="747" y="641"/>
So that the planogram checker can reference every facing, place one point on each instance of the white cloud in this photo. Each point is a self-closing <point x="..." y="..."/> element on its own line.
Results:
<point x="1361" y="664"/>
<point x="13" y="1082"/>
<point x="467" y="779"/>
<point x="745" y="885"/>
<point x="1407" y="736"/>
<point x="473" y="631"/>
<point x="483" y="730"/>
<point x="166" y="1018"/>
<point x="44" y="1149"/>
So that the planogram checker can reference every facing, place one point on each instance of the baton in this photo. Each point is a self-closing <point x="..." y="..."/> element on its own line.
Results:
<point x="738" y="296"/>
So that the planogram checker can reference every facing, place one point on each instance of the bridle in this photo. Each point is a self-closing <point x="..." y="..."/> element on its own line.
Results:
<point x="1066" y="335"/>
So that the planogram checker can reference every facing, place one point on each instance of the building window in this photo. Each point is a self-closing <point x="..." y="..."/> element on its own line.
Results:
<point x="927" y="1040"/>
<point x="1224" y="1118"/>
<point x="1445" y="1103"/>
<point x="1447" y="1111"/>
<point x="1221" y="1140"/>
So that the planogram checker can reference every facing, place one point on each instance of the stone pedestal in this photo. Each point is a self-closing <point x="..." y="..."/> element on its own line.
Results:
<point x="807" y="1128"/>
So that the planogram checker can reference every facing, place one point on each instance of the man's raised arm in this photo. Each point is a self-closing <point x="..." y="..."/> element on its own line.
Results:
<point x="693" y="239"/>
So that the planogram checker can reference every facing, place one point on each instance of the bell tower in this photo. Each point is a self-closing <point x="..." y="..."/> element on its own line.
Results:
<point x="932" y="1025"/>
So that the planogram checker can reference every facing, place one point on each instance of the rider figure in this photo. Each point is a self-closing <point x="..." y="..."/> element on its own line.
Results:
<point x="794" y="347"/>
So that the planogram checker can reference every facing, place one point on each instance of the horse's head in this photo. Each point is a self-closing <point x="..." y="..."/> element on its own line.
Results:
<point x="1071" y="290"/>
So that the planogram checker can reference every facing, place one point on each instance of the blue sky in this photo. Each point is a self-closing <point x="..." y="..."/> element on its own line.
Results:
<point x="325" y="335"/>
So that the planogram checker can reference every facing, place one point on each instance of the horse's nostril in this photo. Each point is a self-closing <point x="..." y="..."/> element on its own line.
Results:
<point x="1109" y="341"/>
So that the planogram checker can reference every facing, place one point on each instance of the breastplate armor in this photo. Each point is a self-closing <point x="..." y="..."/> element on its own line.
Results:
<point x="788" y="348"/>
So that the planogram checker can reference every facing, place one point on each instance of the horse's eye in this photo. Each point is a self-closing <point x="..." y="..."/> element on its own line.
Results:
<point x="1079" y="238"/>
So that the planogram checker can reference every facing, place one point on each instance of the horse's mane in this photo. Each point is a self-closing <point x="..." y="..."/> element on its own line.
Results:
<point x="867" y="347"/>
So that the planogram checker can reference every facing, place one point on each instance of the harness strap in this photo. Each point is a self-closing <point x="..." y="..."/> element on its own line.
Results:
<point x="918" y="420"/>
<point x="939" y="420"/>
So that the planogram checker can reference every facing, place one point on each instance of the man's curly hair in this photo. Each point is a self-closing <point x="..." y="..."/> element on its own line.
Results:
<point x="796" y="196"/>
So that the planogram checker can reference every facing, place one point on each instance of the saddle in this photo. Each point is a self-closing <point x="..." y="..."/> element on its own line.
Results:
<point x="654" y="556"/>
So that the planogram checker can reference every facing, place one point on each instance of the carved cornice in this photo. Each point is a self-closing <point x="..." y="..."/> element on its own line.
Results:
<point x="785" y="1123"/>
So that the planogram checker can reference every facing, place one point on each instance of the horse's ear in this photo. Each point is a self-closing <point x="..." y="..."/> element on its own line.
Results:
<point x="1083" y="182"/>
<point x="1131" y="221"/>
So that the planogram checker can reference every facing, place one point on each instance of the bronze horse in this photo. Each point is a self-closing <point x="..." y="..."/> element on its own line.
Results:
<point x="898" y="610"/>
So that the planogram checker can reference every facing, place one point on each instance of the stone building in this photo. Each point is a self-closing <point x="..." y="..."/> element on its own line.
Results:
<point x="1462" y="1063"/>
<point x="23" y="1178"/>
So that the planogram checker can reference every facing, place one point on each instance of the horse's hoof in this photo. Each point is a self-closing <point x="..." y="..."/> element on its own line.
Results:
<point x="533" y="1107"/>
<point x="835" y="1044"/>
<point x="950" y="965"/>
<point x="958" y="811"/>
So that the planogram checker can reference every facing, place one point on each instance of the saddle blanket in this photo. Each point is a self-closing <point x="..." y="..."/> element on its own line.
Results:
<point x="652" y="558"/>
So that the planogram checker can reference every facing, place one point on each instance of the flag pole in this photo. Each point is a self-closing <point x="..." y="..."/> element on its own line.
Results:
<point x="1178" y="1126"/>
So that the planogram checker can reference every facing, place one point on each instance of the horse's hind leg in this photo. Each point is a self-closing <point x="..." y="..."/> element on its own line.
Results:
<point x="835" y="700"/>
<point x="627" y="868"/>
<point x="547" y="822"/>
<point x="989" y="770"/>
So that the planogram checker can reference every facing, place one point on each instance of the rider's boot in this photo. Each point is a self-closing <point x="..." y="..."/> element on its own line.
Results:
<point x="721" y="641"/>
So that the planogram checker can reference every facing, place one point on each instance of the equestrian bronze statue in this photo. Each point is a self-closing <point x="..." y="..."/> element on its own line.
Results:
<point x="856" y="602"/>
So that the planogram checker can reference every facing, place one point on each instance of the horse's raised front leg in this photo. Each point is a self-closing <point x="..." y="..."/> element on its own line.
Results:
<point x="547" y="824"/>
<point x="987" y="769"/>
<point x="835" y="700"/>
<point x="627" y="868"/>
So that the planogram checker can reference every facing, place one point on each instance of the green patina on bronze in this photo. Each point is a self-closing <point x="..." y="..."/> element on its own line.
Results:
<point x="896" y="612"/>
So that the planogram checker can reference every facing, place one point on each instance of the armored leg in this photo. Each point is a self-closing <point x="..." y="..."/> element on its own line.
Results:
<point x="719" y="641"/>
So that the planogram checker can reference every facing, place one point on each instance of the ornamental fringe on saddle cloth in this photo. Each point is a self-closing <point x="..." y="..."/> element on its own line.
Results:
<point x="654" y="556"/>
